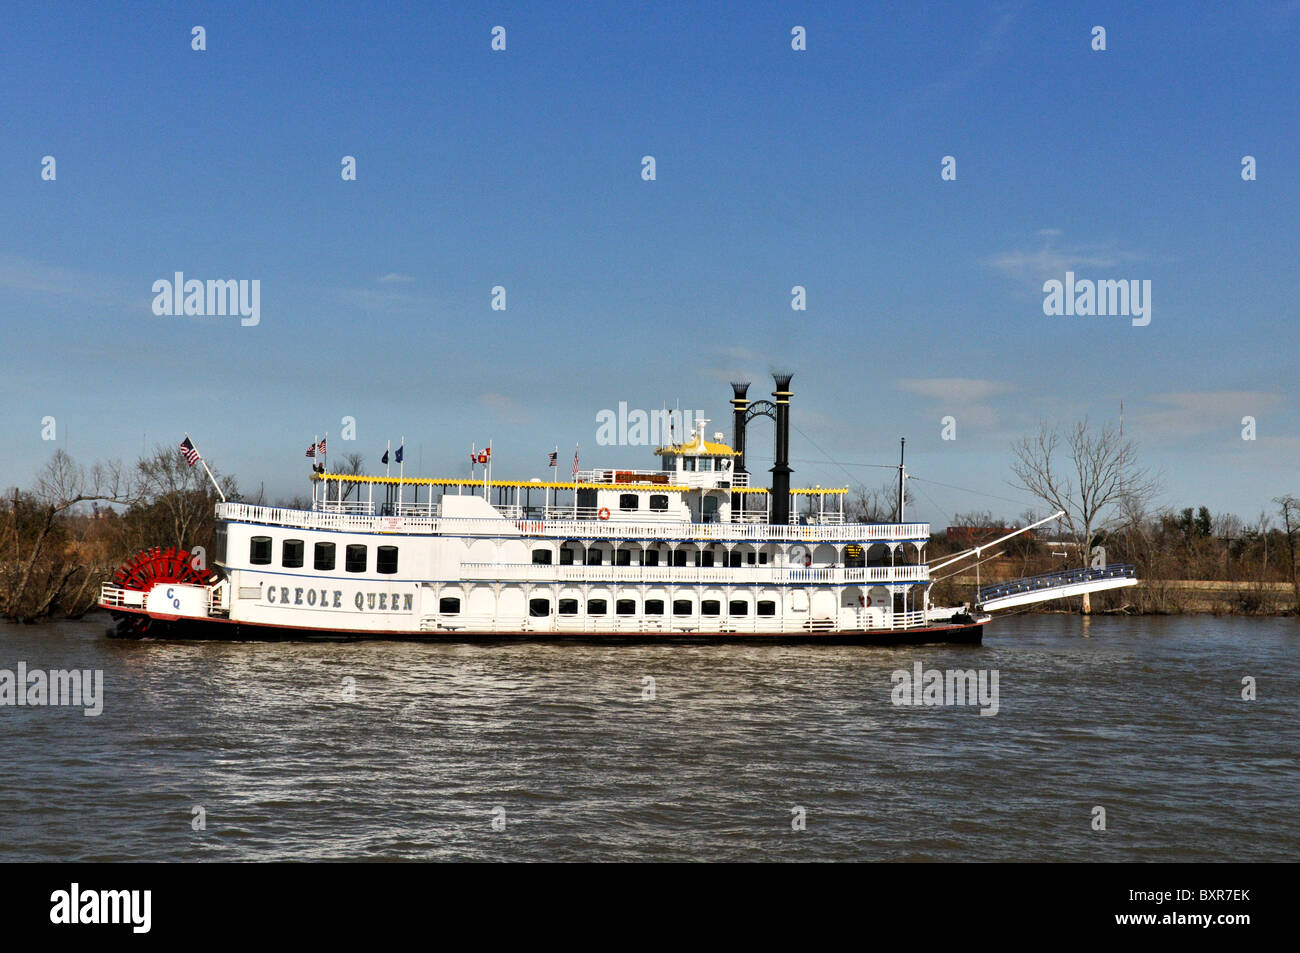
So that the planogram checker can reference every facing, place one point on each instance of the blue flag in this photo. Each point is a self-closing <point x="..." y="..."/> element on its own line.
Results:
<point x="384" y="458"/>
<point x="397" y="457"/>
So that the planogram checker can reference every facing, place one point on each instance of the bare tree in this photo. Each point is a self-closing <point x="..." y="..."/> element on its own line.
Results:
<point x="874" y="505"/>
<point x="352" y="464"/>
<point x="60" y="486"/>
<point x="1289" y="507"/>
<point x="180" y="492"/>
<point x="1092" y="475"/>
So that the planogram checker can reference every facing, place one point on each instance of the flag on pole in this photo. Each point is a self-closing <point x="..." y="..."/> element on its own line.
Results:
<point x="320" y="447"/>
<point x="397" y="456"/>
<point x="311" y="451"/>
<point x="575" y="461"/>
<point x="553" y="457"/>
<point x="384" y="458"/>
<point x="188" y="452"/>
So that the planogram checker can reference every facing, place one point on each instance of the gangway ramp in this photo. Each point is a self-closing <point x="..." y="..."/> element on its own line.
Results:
<point x="1055" y="585"/>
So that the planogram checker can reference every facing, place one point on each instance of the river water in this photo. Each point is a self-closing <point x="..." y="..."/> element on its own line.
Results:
<point x="557" y="752"/>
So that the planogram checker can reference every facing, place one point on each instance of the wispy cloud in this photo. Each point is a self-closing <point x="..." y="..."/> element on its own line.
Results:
<point x="1030" y="267"/>
<point x="988" y="49"/>
<point x="394" y="278"/>
<point x="966" y="398"/>
<point x="504" y="407"/>
<point x="1189" y="413"/>
<point x="33" y="277"/>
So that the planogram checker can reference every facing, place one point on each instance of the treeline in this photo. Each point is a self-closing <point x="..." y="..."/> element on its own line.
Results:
<point x="67" y="534"/>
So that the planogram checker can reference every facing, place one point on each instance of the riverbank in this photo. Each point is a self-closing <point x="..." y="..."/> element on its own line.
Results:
<point x="1163" y="597"/>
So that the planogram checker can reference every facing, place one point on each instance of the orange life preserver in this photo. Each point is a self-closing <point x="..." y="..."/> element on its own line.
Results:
<point x="604" y="513"/>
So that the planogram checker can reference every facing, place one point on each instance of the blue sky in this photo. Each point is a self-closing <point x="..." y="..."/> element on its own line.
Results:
<point x="775" y="168"/>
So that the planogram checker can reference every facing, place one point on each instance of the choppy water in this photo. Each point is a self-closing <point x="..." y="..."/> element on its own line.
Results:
<point x="1141" y="716"/>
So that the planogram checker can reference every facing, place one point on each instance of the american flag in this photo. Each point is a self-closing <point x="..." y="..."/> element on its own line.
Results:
<point x="311" y="450"/>
<point x="553" y="457"/>
<point x="575" y="461"/>
<point x="188" y="452"/>
<point x="320" y="447"/>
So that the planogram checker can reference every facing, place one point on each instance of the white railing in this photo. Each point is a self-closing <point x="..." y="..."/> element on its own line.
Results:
<point x="571" y="528"/>
<point x="605" y="476"/>
<point x="907" y="620"/>
<point x="348" y="506"/>
<point x="691" y="575"/>
<point x="111" y="595"/>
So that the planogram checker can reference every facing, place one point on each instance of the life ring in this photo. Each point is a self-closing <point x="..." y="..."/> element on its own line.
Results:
<point x="604" y="513"/>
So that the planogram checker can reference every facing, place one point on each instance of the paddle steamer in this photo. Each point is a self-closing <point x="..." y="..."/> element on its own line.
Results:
<point x="689" y="550"/>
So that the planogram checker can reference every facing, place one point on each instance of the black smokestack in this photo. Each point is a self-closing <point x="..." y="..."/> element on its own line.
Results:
<point x="781" y="456"/>
<point x="739" y="407"/>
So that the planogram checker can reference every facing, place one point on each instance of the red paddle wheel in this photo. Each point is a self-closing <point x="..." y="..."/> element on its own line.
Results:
<point x="149" y="567"/>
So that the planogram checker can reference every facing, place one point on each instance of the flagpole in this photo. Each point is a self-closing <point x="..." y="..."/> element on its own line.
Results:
<point x="205" y="467"/>
<point x="388" y="466"/>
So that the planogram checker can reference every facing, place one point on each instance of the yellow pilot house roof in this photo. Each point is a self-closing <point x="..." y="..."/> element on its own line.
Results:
<point x="707" y="449"/>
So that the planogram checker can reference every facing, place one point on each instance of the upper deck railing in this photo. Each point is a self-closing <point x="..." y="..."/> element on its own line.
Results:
<point x="622" y="528"/>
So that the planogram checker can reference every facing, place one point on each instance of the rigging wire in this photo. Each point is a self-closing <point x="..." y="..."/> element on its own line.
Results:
<point x="823" y="452"/>
<point x="966" y="489"/>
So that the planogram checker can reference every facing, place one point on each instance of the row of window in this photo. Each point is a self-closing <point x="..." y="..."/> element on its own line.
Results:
<point x="292" y="551"/>
<point x="631" y="502"/>
<point x="650" y="557"/>
<point x="450" y="605"/>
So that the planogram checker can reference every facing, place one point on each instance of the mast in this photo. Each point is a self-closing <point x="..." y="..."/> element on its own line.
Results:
<point x="902" y="475"/>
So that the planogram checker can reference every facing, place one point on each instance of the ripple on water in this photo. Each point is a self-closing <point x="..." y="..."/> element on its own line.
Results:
<point x="410" y="751"/>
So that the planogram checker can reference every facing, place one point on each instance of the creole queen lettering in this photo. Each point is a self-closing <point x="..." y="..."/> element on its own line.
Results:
<point x="313" y="598"/>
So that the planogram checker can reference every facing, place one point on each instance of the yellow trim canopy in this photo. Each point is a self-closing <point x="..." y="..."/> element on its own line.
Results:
<point x="531" y="485"/>
<point x="527" y="484"/>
